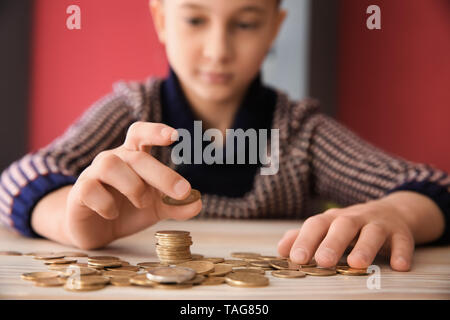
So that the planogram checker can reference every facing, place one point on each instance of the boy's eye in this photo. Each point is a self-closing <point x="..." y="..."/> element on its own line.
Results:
<point x="195" y="21"/>
<point x="246" y="25"/>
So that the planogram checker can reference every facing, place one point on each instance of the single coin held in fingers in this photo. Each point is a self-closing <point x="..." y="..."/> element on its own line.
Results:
<point x="192" y="197"/>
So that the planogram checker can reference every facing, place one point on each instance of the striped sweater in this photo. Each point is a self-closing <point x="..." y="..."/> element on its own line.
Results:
<point x="319" y="158"/>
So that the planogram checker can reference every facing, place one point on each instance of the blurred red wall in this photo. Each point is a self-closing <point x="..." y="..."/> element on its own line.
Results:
<point x="394" y="83"/>
<point x="71" y="69"/>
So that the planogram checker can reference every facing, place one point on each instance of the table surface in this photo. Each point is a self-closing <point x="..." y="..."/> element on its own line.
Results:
<point x="429" y="277"/>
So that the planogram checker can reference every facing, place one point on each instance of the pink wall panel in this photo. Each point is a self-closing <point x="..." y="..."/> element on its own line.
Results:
<point x="71" y="69"/>
<point x="394" y="83"/>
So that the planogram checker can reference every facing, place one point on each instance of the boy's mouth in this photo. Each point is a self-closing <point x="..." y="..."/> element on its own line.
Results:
<point x="215" y="77"/>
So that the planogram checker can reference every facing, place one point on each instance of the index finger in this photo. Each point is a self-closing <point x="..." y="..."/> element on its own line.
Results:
<point x="141" y="136"/>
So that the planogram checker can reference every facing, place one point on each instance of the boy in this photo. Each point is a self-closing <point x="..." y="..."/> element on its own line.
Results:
<point x="104" y="178"/>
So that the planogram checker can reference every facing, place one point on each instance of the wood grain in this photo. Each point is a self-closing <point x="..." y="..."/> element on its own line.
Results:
<point x="428" y="279"/>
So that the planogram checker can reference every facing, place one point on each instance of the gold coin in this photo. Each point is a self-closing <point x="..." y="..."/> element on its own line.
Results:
<point x="105" y="263"/>
<point x="315" y="271"/>
<point x="10" y="253"/>
<point x="59" y="261"/>
<point x="124" y="263"/>
<point x="125" y="268"/>
<point x="78" y="264"/>
<point x="73" y="254"/>
<point x="236" y="263"/>
<point x="48" y="256"/>
<point x="152" y="264"/>
<point x="192" y="197"/>
<point x="49" y="282"/>
<point x="57" y="267"/>
<point x="120" y="281"/>
<point x="261" y="264"/>
<point x="196" y="256"/>
<point x="213" y="281"/>
<point x="88" y="280"/>
<point x="176" y="274"/>
<point x="200" y="266"/>
<point x="142" y="280"/>
<point x="268" y="258"/>
<point x="198" y="279"/>
<point x="247" y="280"/>
<point x="288" y="274"/>
<point x="173" y="286"/>
<point x="214" y="260"/>
<point x="220" y="269"/>
<point x="249" y="270"/>
<point x="284" y="265"/>
<point x="39" y="253"/>
<point x="351" y="271"/>
<point x="82" y="271"/>
<point x="118" y="273"/>
<point x="40" y="275"/>
<point x="245" y="255"/>
<point x="172" y="233"/>
<point x="103" y="258"/>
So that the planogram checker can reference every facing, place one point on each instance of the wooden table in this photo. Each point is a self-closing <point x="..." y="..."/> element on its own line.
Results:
<point x="428" y="279"/>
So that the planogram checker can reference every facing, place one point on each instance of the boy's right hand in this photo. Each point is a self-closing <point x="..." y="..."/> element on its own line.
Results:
<point x="120" y="193"/>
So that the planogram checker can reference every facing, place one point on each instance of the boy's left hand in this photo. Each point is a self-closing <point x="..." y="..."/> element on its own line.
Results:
<point x="369" y="227"/>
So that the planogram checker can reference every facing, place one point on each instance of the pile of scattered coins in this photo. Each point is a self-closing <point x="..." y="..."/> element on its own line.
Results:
<point x="171" y="272"/>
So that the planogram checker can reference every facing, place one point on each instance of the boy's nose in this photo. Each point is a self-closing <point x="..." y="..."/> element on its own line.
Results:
<point x="217" y="47"/>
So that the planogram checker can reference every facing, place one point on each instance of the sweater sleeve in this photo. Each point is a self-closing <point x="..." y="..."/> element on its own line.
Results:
<point x="348" y="170"/>
<point x="103" y="126"/>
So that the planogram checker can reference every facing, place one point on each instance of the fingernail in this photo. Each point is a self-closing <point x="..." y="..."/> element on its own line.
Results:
<point x="402" y="261"/>
<point x="299" y="255"/>
<point x="181" y="187"/>
<point x="166" y="132"/>
<point x="361" y="256"/>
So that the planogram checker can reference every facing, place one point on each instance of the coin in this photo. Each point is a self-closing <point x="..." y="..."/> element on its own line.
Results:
<point x="103" y="258"/>
<point x="120" y="281"/>
<point x="213" y="281"/>
<point x="246" y="255"/>
<point x="59" y="261"/>
<point x="284" y="265"/>
<point x="77" y="287"/>
<point x="173" y="286"/>
<point x="48" y="256"/>
<point x="288" y="274"/>
<point x="40" y="275"/>
<point x="236" y="263"/>
<point x="247" y="280"/>
<point x="214" y="260"/>
<point x="73" y="254"/>
<point x="152" y="264"/>
<point x="315" y="271"/>
<point x="192" y="197"/>
<point x="118" y="273"/>
<point x="10" y="253"/>
<point x="261" y="264"/>
<point x="88" y="280"/>
<point x="268" y="258"/>
<point x="125" y="268"/>
<point x="351" y="271"/>
<point x="105" y="263"/>
<point x="82" y="271"/>
<point x="170" y="274"/>
<point x="198" y="279"/>
<point x="249" y="270"/>
<point x="200" y="266"/>
<point x="196" y="256"/>
<point x="220" y="269"/>
<point x="142" y="280"/>
<point x="49" y="282"/>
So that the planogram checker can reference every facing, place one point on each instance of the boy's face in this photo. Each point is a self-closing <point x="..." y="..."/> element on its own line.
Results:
<point x="216" y="47"/>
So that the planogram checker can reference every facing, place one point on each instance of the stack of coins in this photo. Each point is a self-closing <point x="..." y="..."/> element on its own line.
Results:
<point x="173" y="246"/>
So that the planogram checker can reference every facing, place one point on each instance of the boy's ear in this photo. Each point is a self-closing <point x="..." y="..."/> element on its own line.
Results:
<point x="157" y="12"/>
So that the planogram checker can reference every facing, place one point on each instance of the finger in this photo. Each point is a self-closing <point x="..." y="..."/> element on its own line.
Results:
<point x="286" y="242"/>
<point x="93" y="195"/>
<point x="156" y="174"/>
<point x="111" y="170"/>
<point x="402" y="249"/>
<point x="180" y="213"/>
<point x="342" y="231"/>
<point x="141" y="136"/>
<point x="370" y="241"/>
<point x="311" y="234"/>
